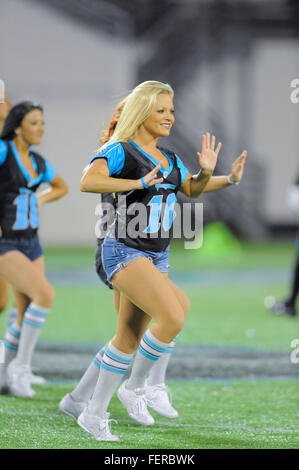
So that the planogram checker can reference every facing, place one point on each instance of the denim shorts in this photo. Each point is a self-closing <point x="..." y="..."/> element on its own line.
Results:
<point x="117" y="255"/>
<point x="99" y="263"/>
<point x="30" y="247"/>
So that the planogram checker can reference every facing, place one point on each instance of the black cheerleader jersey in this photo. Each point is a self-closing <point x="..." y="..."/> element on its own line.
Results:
<point x="18" y="202"/>
<point x="144" y="217"/>
<point x="106" y="211"/>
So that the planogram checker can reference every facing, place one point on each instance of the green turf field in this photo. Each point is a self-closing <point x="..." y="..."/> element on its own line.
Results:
<point x="227" y="310"/>
<point x="227" y="292"/>
<point x="241" y="415"/>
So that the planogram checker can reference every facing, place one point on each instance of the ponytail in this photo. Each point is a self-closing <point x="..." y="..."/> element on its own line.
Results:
<point x="107" y="133"/>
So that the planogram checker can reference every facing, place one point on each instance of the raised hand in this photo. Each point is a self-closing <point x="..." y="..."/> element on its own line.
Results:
<point x="238" y="167"/>
<point x="207" y="158"/>
<point x="150" y="179"/>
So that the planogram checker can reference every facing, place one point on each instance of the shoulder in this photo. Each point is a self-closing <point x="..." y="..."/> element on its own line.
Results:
<point x="44" y="167"/>
<point x="111" y="148"/>
<point x="108" y="150"/>
<point x="114" y="154"/>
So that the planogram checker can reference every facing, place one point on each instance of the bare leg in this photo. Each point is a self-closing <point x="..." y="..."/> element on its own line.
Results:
<point x="34" y="297"/>
<point x="73" y="402"/>
<point x="22" y="300"/>
<point x="145" y="294"/>
<point x="25" y="276"/>
<point x="149" y="290"/>
<point x="4" y="295"/>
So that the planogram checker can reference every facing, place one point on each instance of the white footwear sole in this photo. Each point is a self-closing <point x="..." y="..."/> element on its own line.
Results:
<point x="158" y="399"/>
<point x="171" y="415"/>
<point x="37" y="380"/>
<point x="15" y="391"/>
<point x="83" y="426"/>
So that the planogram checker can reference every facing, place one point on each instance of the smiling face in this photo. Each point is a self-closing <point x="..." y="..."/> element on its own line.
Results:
<point x="160" y="121"/>
<point x="32" y="127"/>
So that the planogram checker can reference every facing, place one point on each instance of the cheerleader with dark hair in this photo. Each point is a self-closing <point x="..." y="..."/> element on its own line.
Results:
<point x="22" y="170"/>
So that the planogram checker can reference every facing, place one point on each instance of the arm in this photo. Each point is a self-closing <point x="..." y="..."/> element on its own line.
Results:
<point x="219" y="182"/>
<point x="216" y="182"/>
<point x="194" y="185"/>
<point x="96" y="179"/>
<point x="58" y="188"/>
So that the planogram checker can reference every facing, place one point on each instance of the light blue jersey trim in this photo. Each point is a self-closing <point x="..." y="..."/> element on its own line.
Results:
<point x="165" y="171"/>
<point x="183" y="169"/>
<point x="46" y="177"/>
<point x="50" y="172"/>
<point x="115" y="156"/>
<point x="23" y="169"/>
<point x="3" y="151"/>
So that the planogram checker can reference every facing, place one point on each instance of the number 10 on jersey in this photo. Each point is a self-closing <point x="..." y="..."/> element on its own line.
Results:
<point x="27" y="211"/>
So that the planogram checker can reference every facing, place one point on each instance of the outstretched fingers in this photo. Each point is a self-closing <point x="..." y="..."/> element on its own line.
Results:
<point x="213" y="141"/>
<point x="242" y="157"/>
<point x="218" y="148"/>
<point x="151" y="178"/>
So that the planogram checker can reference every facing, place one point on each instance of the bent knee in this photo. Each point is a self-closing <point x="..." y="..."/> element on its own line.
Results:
<point x="174" y="321"/>
<point x="179" y="324"/>
<point x="127" y="345"/>
<point x="46" y="295"/>
<point x="185" y="304"/>
<point x="51" y="294"/>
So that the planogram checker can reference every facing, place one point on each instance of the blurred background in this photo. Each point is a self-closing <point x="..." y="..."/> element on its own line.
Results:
<point x="231" y="64"/>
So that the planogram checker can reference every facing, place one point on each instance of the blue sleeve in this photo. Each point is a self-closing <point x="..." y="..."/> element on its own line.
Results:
<point x="50" y="173"/>
<point x="115" y="156"/>
<point x="183" y="169"/>
<point x="3" y="151"/>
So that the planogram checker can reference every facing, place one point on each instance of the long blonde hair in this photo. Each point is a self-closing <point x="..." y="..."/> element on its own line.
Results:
<point x="138" y="106"/>
<point x="107" y="133"/>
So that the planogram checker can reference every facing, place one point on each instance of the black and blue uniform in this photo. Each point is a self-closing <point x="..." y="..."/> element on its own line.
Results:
<point x="129" y="161"/>
<point x="105" y="198"/>
<point x="126" y="160"/>
<point x="19" y="217"/>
